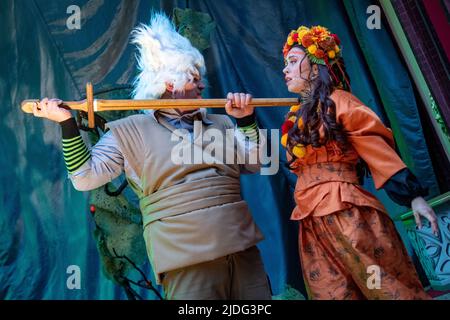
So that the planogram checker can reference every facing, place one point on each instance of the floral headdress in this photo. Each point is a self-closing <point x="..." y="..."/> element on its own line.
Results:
<point x="320" y="45"/>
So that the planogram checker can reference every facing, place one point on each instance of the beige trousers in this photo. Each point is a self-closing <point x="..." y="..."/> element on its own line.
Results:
<point x="238" y="276"/>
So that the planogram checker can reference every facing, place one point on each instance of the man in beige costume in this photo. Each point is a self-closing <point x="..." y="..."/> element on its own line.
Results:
<point x="199" y="233"/>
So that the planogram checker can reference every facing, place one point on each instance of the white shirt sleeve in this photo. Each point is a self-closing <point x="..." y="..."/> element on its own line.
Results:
<point x="105" y="164"/>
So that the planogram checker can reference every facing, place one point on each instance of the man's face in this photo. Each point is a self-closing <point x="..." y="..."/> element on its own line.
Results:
<point x="192" y="90"/>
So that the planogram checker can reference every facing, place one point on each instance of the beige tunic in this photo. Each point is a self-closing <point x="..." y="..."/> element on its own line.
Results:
<point x="192" y="213"/>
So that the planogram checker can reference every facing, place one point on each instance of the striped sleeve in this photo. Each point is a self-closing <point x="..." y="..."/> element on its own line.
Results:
<point x="74" y="149"/>
<point x="248" y="127"/>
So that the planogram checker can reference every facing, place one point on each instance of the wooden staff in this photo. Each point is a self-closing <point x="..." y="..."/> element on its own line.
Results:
<point x="91" y="105"/>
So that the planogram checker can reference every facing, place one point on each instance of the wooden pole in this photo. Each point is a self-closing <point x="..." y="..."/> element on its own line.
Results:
<point x="91" y="105"/>
<point x="116" y="105"/>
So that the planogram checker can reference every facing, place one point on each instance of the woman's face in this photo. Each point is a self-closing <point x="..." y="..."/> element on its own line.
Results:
<point x="297" y="71"/>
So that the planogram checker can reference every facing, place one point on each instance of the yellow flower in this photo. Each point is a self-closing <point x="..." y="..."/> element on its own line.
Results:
<point x="299" y="151"/>
<point x="302" y="28"/>
<point x="312" y="49"/>
<point x="290" y="41"/>
<point x="294" y="108"/>
<point x="331" y="54"/>
<point x="301" y="34"/>
<point x="284" y="140"/>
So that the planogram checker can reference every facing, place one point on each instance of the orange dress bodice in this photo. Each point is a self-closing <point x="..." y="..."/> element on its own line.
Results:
<point x="327" y="179"/>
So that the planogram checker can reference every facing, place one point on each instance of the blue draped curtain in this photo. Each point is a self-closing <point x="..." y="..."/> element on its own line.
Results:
<point x="44" y="222"/>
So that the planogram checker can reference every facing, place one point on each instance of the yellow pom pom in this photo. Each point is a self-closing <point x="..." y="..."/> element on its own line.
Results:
<point x="312" y="49"/>
<point x="292" y="118"/>
<point x="300" y="123"/>
<point x="294" y="108"/>
<point x="284" y="140"/>
<point x="331" y="54"/>
<point x="336" y="49"/>
<point x="299" y="151"/>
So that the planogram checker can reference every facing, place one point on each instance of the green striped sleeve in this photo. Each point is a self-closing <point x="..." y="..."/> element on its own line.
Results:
<point x="75" y="153"/>
<point x="248" y="127"/>
<point x="251" y="131"/>
<point x="74" y="150"/>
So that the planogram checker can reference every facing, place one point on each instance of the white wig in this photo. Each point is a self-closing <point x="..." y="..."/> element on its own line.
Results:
<point x="163" y="56"/>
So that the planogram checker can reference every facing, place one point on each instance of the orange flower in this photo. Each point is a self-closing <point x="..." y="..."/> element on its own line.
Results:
<point x="319" y="30"/>
<point x="307" y="41"/>
<point x="321" y="33"/>
<point x="319" y="54"/>
<point x="327" y="44"/>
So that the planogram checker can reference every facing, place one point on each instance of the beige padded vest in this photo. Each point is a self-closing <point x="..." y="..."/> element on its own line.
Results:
<point x="192" y="213"/>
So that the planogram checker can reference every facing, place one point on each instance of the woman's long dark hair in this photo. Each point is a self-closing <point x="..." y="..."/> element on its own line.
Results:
<point x="318" y="110"/>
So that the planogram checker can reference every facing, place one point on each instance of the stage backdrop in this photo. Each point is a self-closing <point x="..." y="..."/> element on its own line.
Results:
<point x="45" y="225"/>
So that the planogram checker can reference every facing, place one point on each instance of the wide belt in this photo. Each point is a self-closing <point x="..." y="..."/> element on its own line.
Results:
<point x="318" y="173"/>
<point x="190" y="196"/>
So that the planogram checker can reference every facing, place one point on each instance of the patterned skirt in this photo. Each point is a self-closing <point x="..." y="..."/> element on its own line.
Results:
<point x="356" y="254"/>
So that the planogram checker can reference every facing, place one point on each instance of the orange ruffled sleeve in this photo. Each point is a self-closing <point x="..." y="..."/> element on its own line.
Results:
<point x="373" y="142"/>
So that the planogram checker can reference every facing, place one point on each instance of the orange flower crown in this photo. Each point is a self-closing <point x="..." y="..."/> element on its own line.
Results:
<point x="321" y="46"/>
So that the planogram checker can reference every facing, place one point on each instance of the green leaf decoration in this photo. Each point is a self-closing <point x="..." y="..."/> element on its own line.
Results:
<point x="196" y="26"/>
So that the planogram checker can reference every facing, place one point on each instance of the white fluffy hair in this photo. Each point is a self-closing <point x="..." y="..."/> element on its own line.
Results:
<point x="163" y="56"/>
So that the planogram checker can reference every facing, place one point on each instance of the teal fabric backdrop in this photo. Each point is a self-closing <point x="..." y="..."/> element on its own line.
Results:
<point x="44" y="223"/>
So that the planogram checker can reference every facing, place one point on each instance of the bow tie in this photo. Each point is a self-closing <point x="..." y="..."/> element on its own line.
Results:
<point x="185" y="120"/>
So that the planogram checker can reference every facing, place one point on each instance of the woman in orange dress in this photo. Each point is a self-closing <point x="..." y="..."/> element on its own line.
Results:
<point x="349" y="247"/>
